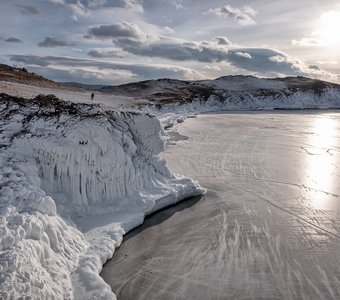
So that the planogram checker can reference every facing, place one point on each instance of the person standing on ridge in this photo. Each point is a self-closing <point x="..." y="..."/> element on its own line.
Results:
<point x="92" y="96"/>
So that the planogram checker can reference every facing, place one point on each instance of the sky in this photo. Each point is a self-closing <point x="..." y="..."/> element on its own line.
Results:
<point x="120" y="41"/>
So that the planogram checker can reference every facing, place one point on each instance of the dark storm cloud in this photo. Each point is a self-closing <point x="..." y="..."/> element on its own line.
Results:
<point x="28" y="9"/>
<point x="51" y="42"/>
<point x="13" y="40"/>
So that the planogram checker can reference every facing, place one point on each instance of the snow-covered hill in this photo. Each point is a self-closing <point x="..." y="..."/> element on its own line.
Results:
<point x="232" y="93"/>
<point x="165" y="91"/>
<point x="74" y="178"/>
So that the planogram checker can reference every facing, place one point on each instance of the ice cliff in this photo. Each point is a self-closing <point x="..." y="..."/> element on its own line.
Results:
<point x="73" y="179"/>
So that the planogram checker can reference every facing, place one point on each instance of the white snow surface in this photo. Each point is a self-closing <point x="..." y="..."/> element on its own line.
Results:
<point x="73" y="180"/>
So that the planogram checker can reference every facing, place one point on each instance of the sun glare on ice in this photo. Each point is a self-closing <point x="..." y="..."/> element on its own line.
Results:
<point x="321" y="163"/>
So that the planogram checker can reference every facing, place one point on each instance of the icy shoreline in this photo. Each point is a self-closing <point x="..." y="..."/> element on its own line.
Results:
<point x="74" y="179"/>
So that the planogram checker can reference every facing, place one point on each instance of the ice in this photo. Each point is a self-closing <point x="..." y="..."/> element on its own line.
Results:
<point x="261" y="232"/>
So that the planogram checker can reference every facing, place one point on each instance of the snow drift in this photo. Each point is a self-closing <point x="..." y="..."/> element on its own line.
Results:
<point x="74" y="178"/>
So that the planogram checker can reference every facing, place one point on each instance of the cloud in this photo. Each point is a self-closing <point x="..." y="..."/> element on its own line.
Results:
<point x="134" y="5"/>
<point x="306" y="42"/>
<point x="175" y="49"/>
<point x="74" y="7"/>
<point x="271" y="62"/>
<point x="29" y="60"/>
<point x="243" y="54"/>
<point x="13" y="40"/>
<point x="94" y="3"/>
<point x="327" y="34"/>
<point x="314" y="67"/>
<point x="62" y="2"/>
<point x="81" y="8"/>
<point x="124" y="30"/>
<point x="243" y="16"/>
<point x="266" y="61"/>
<point x="169" y="30"/>
<point x="106" y="53"/>
<point x="262" y="60"/>
<point x="28" y="9"/>
<point x="130" y="38"/>
<point x="135" y="71"/>
<point x="277" y="58"/>
<point x="178" y="4"/>
<point x="51" y="42"/>
<point x="83" y="75"/>
<point x="77" y="10"/>
<point x="221" y="40"/>
<point x="327" y="62"/>
<point x="220" y="49"/>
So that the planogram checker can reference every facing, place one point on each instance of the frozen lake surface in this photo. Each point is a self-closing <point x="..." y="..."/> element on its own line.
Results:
<point x="269" y="226"/>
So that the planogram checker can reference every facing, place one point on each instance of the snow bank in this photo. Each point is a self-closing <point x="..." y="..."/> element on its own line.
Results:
<point x="257" y="99"/>
<point x="74" y="178"/>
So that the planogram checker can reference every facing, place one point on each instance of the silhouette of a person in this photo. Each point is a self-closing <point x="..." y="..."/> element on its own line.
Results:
<point x="92" y="96"/>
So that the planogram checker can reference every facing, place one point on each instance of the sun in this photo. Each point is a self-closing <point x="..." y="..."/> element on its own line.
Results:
<point x="329" y="29"/>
